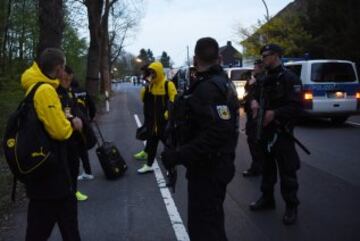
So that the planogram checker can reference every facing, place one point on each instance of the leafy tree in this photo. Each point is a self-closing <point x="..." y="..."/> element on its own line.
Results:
<point x="150" y="55"/>
<point x="165" y="60"/>
<point x="286" y="30"/>
<point x="335" y="27"/>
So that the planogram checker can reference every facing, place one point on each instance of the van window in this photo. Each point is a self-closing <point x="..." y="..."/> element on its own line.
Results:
<point x="332" y="72"/>
<point x="296" y="69"/>
<point x="240" y="74"/>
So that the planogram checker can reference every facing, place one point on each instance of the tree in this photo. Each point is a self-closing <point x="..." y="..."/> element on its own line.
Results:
<point x="150" y="55"/>
<point x="334" y="25"/>
<point x="286" y="30"/>
<point x="51" y="22"/>
<point x="165" y="60"/>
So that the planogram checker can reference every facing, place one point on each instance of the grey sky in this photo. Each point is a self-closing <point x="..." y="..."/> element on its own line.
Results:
<point x="171" y="25"/>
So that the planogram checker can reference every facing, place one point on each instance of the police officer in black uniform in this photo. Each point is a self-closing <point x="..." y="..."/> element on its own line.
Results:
<point x="282" y="105"/>
<point x="256" y="150"/>
<point x="207" y="142"/>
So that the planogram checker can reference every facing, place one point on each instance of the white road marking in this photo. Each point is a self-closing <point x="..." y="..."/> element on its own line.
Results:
<point x="176" y="221"/>
<point x="353" y="123"/>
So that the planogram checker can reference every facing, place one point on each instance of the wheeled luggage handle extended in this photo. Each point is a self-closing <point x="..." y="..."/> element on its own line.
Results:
<point x="100" y="133"/>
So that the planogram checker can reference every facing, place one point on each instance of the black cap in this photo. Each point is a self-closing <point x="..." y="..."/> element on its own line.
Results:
<point x="272" y="47"/>
<point x="258" y="61"/>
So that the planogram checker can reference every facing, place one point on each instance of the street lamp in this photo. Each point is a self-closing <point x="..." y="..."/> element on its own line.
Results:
<point x="138" y="60"/>
<point x="267" y="11"/>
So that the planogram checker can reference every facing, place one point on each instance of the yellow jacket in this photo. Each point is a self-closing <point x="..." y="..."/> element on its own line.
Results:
<point x="157" y="87"/>
<point x="47" y="103"/>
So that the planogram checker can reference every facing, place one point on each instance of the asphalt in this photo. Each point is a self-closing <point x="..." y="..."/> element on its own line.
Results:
<point x="131" y="208"/>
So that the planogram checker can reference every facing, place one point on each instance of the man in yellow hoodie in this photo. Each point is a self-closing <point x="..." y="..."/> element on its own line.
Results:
<point x="52" y="199"/>
<point x="156" y="97"/>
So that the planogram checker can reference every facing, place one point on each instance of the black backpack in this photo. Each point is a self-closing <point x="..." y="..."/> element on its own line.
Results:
<point x="27" y="146"/>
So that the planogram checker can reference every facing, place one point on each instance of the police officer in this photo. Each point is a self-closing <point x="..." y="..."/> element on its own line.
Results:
<point x="208" y="141"/>
<point x="282" y="105"/>
<point x="256" y="150"/>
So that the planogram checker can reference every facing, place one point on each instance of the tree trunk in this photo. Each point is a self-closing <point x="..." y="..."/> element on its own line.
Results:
<point x="94" y="8"/>
<point x="51" y="21"/>
<point x="105" y="51"/>
<point x="4" y="30"/>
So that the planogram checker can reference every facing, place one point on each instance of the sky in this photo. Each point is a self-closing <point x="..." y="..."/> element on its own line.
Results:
<point x="172" y="25"/>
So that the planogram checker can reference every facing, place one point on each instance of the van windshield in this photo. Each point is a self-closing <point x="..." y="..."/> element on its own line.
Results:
<point x="332" y="72"/>
<point x="240" y="74"/>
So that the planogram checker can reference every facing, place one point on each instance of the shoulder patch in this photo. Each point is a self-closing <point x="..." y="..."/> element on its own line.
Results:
<point x="223" y="112"/>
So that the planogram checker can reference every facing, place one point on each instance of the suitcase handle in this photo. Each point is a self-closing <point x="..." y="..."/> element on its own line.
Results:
<point x="99" y="131"/>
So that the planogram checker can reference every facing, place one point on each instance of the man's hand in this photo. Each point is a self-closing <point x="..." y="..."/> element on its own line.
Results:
<point x="77" y="123"/>
<point x="170" y="158"/>
<point x="254" y="105"/>
<point x="269" y="117"/>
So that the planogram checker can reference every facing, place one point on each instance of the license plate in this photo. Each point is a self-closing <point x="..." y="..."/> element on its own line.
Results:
<point x="336" y="95"/>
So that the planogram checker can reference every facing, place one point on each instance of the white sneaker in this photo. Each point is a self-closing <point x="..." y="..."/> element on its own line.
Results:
<point x="145" y="168"/>
<point x="85" y="176"/>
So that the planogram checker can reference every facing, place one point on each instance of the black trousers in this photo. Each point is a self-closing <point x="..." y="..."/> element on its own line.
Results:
<point x="44" y="214"/>
<point x="206" y="195"/>
<point x="74" y="166"/>
<point x="257" y="155"/>
<point x="84" y="156"/>
<point x="151" y="147"/>
<point x="283" y="157"/>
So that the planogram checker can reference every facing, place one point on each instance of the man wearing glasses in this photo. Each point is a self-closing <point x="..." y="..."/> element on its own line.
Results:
<point x="282" y="105"/>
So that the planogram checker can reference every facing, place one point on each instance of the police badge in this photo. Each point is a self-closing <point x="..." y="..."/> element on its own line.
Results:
<point x="223" y="111"/>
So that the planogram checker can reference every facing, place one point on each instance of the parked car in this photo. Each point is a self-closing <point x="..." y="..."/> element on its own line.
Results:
<point x="239" y="76"/>
<point x="331" y="88"/>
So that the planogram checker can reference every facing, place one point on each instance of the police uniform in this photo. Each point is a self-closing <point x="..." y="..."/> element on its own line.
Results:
<point x="207" y="148"/>
<point x="282" y="95"/>
<point x="256" y="150"/>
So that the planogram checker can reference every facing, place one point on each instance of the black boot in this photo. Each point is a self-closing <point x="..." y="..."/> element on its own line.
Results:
<point x="264" y="203"/>
<point x="290" y="215"/>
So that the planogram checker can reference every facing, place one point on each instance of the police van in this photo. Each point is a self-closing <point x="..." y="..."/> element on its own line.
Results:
<point x="331" y="88"/>
<point x="239" y="76"/>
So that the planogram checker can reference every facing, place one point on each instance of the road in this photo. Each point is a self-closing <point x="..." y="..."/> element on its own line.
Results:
<point x="137" y="208"/>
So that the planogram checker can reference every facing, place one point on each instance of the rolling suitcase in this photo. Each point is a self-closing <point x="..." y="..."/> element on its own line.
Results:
<point x="112" y="163"/>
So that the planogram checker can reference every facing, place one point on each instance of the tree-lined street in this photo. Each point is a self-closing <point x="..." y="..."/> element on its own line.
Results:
<point x="132" y="207"/>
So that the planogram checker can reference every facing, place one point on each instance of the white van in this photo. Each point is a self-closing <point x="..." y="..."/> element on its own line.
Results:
<point x="239" y="76"/>
<point x="330" y="88"/>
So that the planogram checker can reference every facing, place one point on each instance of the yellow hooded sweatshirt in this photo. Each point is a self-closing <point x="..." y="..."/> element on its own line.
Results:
<point x="47" y="103"/>
<point x="157" y="86"/>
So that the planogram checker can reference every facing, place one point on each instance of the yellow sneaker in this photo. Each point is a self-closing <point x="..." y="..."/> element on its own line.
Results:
<point x="80" y="196"/>
<point x="141" y="155"/>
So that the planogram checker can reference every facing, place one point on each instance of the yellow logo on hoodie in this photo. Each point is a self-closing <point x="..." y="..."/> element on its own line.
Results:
<point x="11" y="142"/>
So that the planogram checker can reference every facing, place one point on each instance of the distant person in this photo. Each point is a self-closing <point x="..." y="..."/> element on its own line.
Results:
<point x="72" y="110"/>
<point x="88" y="109"/>
<point x="207" y="116"/>
<point x="52" y="199"/>
<point x="256" y="150"/>
<point x="282" y="95"/>
<point x="156" y="98"/>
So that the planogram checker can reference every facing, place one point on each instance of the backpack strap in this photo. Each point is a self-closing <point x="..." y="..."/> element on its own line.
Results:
<point x="167" y="88"/>
<point x="30" y="96"/>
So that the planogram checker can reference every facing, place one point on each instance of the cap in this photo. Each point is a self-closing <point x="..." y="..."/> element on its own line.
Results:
<point x="271" y="47"/>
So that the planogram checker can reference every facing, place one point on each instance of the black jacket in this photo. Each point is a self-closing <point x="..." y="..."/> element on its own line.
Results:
<point x="213" y="117"/>
<point x="84" y="101"/>
<point x="282" y="91"/>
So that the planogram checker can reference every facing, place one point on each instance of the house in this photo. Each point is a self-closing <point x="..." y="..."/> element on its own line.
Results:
<point x="230" y="56"/>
